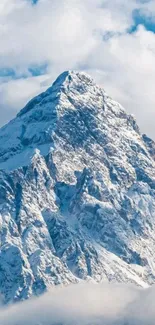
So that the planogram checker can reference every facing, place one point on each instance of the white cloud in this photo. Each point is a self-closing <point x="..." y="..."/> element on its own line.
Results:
<point x="72" y="34"/>
<point x="85" y="304"/>
<point x="15" y="93"/>
<point x="128" y="74"/>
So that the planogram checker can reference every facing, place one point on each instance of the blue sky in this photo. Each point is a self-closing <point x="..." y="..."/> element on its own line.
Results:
<point x="34" y="1"/>
<point x="140" y="19"/>
<point x="112" y="40"/>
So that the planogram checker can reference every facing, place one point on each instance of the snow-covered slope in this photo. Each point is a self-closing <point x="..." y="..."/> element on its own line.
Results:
<point x="77" y="192"/>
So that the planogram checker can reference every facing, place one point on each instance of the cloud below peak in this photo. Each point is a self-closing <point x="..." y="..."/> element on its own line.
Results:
<point x="85" y="304"/>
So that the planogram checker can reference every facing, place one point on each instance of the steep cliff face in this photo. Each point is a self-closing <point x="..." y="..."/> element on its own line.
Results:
<point x="77" y="192"/>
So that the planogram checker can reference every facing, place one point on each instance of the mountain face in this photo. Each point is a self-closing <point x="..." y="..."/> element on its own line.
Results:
<point x="77" y="192"/>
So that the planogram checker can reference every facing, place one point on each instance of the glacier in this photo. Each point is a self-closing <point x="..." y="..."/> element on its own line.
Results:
<point x="77" y="192"/>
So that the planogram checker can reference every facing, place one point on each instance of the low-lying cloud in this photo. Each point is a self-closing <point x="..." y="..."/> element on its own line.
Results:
<point x="85" y="304"/>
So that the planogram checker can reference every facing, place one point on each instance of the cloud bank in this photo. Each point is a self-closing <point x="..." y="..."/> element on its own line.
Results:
<point x="85" y="304"/>
<point x="39" y="41"/>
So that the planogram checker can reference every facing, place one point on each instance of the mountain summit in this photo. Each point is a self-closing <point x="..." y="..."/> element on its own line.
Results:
<point x="77" y="192"/>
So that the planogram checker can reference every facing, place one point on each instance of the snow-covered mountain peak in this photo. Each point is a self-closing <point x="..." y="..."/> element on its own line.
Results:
<point x="73" y="98"/>
<point x="73" y="79"/>
<point x="67" y="82"/>
<point x="77" y="192"/>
